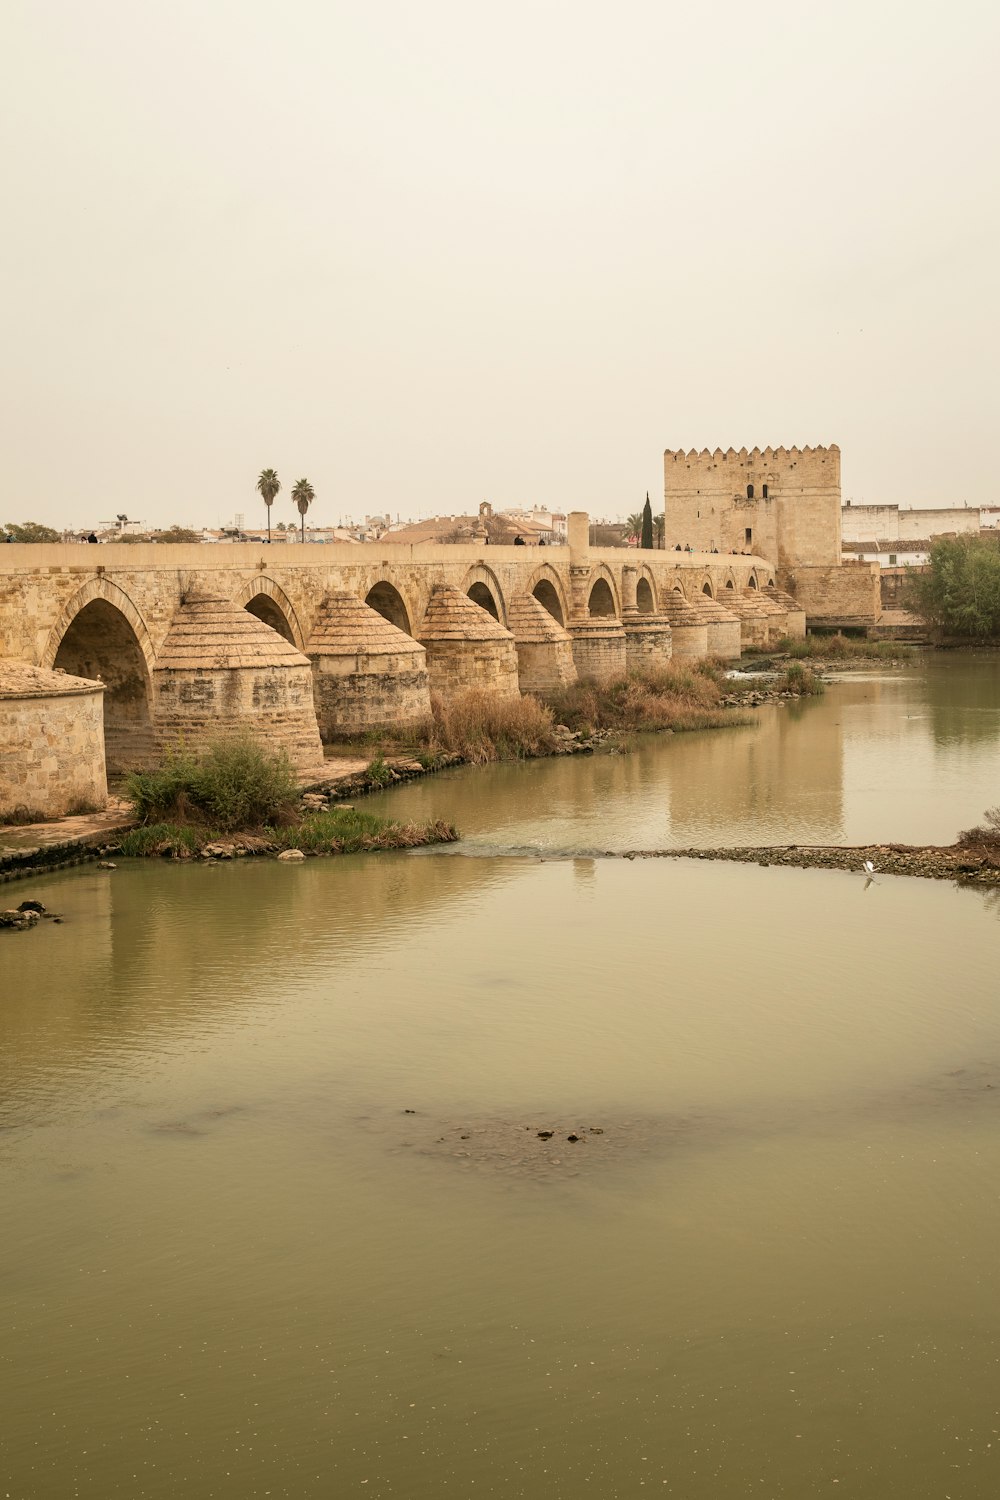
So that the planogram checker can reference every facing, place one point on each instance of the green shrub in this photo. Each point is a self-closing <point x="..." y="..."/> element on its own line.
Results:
<point x="801" y="680"/>
<point x="237" y="783"/>
<point x="378" y="774"/>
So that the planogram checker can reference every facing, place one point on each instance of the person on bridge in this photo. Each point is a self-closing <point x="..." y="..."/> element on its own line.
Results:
<point x="519" y="541"/>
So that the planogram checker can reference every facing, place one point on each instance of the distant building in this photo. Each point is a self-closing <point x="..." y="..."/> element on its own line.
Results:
<point x="901" y="537"/>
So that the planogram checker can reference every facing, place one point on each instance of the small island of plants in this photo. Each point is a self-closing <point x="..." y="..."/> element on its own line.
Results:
<point x="241" y="798"/>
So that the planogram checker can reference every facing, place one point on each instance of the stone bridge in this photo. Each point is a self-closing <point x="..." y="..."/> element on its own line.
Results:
<point x="186" y="638"/>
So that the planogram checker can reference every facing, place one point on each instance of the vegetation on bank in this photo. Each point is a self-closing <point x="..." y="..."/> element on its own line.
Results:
<point x="843" y="648"/>
<point x="984" y="839"/>
<point x="480" y="727"/>
<point x="334" y="830"/>
<point x="238" y="783"/>
<point x="246" y="797"/>
<point x="800" y="680"/>
<point x="959" y="592"/>
<point x="676" y="697"/>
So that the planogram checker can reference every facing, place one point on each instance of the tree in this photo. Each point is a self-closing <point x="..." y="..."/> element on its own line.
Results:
<point x="303" y="494"/>
<point x="268" y="485"/>
<point x="177" y="534"/>
<point x="960" y="590"/>
<point x="30" y="531"/>
<point x="647" y="525"/>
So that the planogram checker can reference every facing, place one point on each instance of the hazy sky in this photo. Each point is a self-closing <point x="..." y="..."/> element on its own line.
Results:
<point x="432" y="252"/>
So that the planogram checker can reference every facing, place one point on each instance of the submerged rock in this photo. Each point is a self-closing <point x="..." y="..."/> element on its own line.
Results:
<point x="291" y="855"/>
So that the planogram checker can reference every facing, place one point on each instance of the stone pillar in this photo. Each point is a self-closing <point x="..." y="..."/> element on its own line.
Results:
<point x="578" y="536"/>
<point x="630" y="583"/>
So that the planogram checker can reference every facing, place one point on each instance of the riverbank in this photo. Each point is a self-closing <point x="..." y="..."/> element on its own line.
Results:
<point x="926" y="861"/>
<point x="479" y="730"/>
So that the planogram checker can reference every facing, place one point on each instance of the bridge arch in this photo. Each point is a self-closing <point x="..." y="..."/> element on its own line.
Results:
<point x="386" y="600"/>
<point x="546" y="586"/>
<point x="602" y="595"/>
<point x="706" y="588"/>
<point x="101" y="635"/>
<point x="483" y="587"/>
<point x="267" y="601"/>
<point x="752" y="580"/>
<point x="645" y="595"/>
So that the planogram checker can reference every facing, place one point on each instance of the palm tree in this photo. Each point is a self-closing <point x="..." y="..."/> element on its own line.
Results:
<point x="303" y="494"/>
<point x="268" y="485"/>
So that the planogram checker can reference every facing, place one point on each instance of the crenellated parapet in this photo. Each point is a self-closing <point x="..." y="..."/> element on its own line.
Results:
<point x="782" y="502"/>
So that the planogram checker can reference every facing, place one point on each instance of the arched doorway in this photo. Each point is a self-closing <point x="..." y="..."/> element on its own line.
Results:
<point x="388" y="602"/>
<point x="480" y="594"/>
<point x="644" y="597"/>
<point x="548" y="597"/>
<point x="101" y="644"/>
<point x="263" y="608"/>
<point x="602" y="600"/>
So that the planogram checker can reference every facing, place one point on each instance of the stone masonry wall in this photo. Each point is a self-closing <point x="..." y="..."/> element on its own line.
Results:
<point x="846" y="595"/>
<point x="369" y="692"/>
<point x="53" y="755"/>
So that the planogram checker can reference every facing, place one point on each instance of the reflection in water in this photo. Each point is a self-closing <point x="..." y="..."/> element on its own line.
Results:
<point x="962" y="695"/>
<point x="867" y="763"/>
<point x="279" y="1219"/>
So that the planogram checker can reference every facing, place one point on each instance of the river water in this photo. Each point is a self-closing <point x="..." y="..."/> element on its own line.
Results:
<point x="235" y="1264"/>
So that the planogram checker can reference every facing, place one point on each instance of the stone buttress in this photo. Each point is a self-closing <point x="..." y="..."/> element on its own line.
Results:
<point x="222" y="671"/>
<point x="544" y="649"/>
<point x="466" y="648"/>
<point x="688" y="631"/>
<point x="367" y="673"/>
<point x="722" y="626"/>
<point x="794" y="613"/>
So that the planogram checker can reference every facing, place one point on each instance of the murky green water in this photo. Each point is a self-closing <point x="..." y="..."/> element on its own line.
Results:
<point x="232" y="1265"/>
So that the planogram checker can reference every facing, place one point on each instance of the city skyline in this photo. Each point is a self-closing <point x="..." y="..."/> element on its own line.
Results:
<point x="427" y="257"/>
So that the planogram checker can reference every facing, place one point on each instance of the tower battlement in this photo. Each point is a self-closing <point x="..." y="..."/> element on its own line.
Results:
<point x="783" y="503"/>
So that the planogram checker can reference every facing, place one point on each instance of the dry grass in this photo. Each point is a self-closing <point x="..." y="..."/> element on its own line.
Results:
<point x="481" y="727"/>
<point x="674" y="697"/>
<point x="985" y="838"/>
<point x="844" y="648"/>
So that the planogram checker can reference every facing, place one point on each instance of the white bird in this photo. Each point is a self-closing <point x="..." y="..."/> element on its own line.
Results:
<point x="869" y="867"/>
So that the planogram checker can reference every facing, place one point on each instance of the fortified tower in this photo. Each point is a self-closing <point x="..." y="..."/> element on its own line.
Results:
<point x="780" y="503"/>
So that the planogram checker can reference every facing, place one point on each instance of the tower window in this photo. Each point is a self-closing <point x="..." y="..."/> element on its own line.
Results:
<point x="763" y="490"/>
<point x="749" y="491"/>
<point x="748" y="536"/>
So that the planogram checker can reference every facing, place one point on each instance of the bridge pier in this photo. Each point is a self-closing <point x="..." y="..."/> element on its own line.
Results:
<point x="544" y="649"/>
<point x="222" y="671"/>
<point x="466" y="648"/>
<point x="367" y="674"/>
